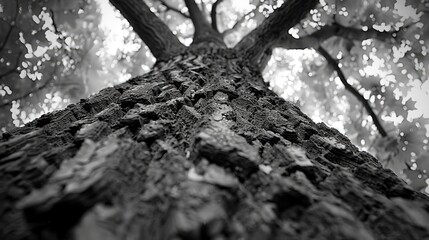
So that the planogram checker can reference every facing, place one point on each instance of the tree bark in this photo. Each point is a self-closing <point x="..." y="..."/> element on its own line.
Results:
<point x="213" y="14"/>
<point x="254" y="44"/>
<point x="154" y="33"/>
<point x="204" y="33"/>
<point x="198" y="148"/>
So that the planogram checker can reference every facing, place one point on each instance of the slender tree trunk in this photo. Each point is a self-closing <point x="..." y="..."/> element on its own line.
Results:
<point x="198" y="148"/>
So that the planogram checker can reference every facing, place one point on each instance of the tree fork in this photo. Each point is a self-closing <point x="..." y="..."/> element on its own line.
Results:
<point x="204" y="33"/>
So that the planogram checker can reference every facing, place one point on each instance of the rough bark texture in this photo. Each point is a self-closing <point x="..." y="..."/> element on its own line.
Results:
<point x="198" y="148"/>
<point x="156" y="35"/>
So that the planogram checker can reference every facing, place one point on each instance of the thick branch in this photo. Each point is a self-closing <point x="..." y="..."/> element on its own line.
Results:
<point x="352" y="33"/>
<point x="213" y="15"/>
<point x="197" y="17"/>
<point x="288" y="42"/>
<point x="169" y="7"/>
<point x="352" y="90"/>
<point x="279" y="22"/>
<point x="203" y="30"/>
<point x="315" y="39"/>
<point x="157" y="36"/>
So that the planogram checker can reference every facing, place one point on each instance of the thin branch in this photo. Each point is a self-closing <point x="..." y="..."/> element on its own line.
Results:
<point x="213" y="14"/>
<point x="47" y="82"/>
<point x="169" y="7"/>
<point x="39" y="88"/>
<point x="352" y="90"/>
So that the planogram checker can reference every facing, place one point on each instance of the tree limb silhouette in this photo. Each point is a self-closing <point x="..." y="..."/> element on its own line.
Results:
<point x="152" y="30"/>
<point x="333" y="63"/>
<point x="213" y="14"/>
<point x="34" y="90"/>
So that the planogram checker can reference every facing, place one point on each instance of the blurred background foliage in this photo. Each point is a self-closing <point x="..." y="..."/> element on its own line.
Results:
<point x="55" y="52"/>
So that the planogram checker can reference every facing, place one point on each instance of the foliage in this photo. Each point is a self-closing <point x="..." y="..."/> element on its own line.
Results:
<point x="56" y="51"/>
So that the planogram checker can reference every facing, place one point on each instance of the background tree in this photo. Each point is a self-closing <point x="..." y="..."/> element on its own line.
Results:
<point x="342" y="37"/>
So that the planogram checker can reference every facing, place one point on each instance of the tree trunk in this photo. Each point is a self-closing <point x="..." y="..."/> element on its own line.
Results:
<point x="198" y="148"/>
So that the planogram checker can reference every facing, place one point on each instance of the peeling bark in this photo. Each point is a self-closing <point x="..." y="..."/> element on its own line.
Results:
<point x="198" y="148"/>
<point x="154" y="33"/>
